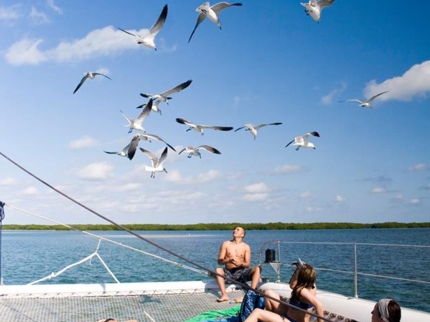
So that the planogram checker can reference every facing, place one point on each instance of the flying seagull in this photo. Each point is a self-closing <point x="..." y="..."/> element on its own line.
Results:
<point x="146" y="137"/>
<point x="157" y="163"/>
<point x="148" y="40"/>
<point x="195" y="151"/>
<point x="164" y="97"/>
<point x="137" y="123"/>
<point x="314" y="8"/>
<point x="303" y="141"/>
<point x="200" y="127"/>
<point x="122" y="153"/>
<point x="364" y="103"/>
<point x="253" y="129"/>
<point x="212" y="13"/>
<point x="90" y="75"/>
<point x="154" y="108"/>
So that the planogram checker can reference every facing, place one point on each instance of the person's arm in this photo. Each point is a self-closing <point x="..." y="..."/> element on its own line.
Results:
<point x="311" y="298"/>
<point x="222" y="260"/>
<point x="247" y="257"/>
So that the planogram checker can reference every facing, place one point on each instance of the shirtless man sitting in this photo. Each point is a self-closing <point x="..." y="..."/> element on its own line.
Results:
<point x="235" y="255"/>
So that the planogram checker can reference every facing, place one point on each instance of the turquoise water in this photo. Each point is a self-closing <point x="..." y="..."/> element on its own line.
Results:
<point x="31" y="255"/>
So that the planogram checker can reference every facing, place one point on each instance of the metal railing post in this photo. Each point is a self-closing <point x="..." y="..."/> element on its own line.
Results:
<point x="355" y="272"/>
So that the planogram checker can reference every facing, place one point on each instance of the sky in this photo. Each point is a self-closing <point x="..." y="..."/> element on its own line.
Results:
<point x="270" y="62"/>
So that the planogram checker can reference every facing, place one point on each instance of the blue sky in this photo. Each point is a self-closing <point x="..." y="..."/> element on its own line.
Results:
<point x="269" y="63"/>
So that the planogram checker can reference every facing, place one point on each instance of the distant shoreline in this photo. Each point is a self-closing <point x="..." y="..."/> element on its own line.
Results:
<point x="224" y="226"/>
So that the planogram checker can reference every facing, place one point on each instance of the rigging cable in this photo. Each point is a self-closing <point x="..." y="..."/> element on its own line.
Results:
<point x="210" y="272"/>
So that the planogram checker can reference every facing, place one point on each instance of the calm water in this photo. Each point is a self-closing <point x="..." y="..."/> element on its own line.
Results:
<point x="30" y="255"/>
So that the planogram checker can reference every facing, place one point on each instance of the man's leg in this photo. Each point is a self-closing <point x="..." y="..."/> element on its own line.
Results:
<point x="255" y="276"/>
<point x="221" y="284"/>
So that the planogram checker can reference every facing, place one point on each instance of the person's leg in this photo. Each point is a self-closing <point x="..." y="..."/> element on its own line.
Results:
<point x="221" y="284"/>
<point x="264" y="316"/>
<point x="255" y="276"/>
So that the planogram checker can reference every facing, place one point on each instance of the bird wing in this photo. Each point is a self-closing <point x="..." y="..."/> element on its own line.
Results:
<point x="130" y="120"/>
<point x="266" y="124"/>
<point x="216" y="127"/>
<point x="127" y="32"/>
<point x="240" y="128"/>
<point x="162" y="157"/>
<point x="100" y="74"/>
<point x="133" y="146"/>
<point x="208" y="148"/>
<point x="184" y="121"/>
<point x="200" y="18"/>
<point x="80" y="83"/>
<point x="156" y="137"/>
<point x="355" y="100"/>
<point x="222" y="5"/>
<point x="160" y="21"/>
<point x="314" y="133"/>
<point x="178" y="88"/>
<point x="145" y="112"/>
<point x="153" y="157"/>
<point x="182" y="150"/>
<point x="325" y="3"/>
<point x="290" y="142"/>
<point x="375" y="96"/>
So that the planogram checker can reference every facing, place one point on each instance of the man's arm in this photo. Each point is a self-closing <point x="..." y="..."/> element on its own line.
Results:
<point x="222" y="260"/>
<point x="247" y="257"/>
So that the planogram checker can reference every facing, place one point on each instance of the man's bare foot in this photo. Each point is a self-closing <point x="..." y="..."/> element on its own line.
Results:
<point x="223" y="298"/>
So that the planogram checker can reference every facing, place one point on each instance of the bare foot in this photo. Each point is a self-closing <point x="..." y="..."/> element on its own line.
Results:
<point x="223" y="298"/>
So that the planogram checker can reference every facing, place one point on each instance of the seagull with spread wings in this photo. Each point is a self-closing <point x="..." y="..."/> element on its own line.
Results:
<point x="148" y="40"/>
<point x="164" y="97"/>
<point x="154" y="108"/>
<point x="314" y="8"/>
<point x="212" y="13"/>
<point x="199" y="127"/>
<point x="253" y="129"/>
<point x="137" y="123"/>
<point x="90" y="75"/>
<point x="363" y="102"/>
<point x="302" y="141"/>
<point x="195" y="151"/>
<point x="157" y="163"/>
<point x="144" y="137"/>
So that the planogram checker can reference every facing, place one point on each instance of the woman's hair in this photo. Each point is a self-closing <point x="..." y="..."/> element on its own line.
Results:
<point x="390" y="310"/>
<point x="305" y="278"/>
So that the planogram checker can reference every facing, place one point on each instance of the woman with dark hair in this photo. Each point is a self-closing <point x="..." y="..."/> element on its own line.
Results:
<point x="386" y="310"/>
<point x="303" y="296"/>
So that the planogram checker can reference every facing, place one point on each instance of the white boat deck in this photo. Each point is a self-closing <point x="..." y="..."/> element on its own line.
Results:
<point x="164" y="301"/>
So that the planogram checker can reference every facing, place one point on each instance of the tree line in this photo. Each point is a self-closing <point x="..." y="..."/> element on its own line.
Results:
<point x="223" y="226"/>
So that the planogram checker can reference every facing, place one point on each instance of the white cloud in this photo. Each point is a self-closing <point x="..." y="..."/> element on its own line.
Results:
<point x="418" y="167"/>
<point x="414" y="201"/>
<point x="328" y="99"/>
<point x="100" y="42"/>
<point x="338" y="199"/>
<point x="84" y="142"/>
<point x="415" y="82"/>
<point x="38" y="17"/>
<point x="30" y="191"/>
<point x="255" y="197"/>
<point x="314" y="209"/>
<point x="287" y="168"/>
<point x="306" y="194"/>
<point x="175" y="176"/>
<point x="96" y="171"/>
<point x="54" y="7"/>
<point x="12" y="13"/>
<point x="236" y="101"/>
<point x="379" y="190"/>
<point x="8" y="182"/>
<point x="257" y="188"/>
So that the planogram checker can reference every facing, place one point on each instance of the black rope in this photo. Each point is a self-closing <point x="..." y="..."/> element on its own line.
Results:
<point x="210" y="272"/>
